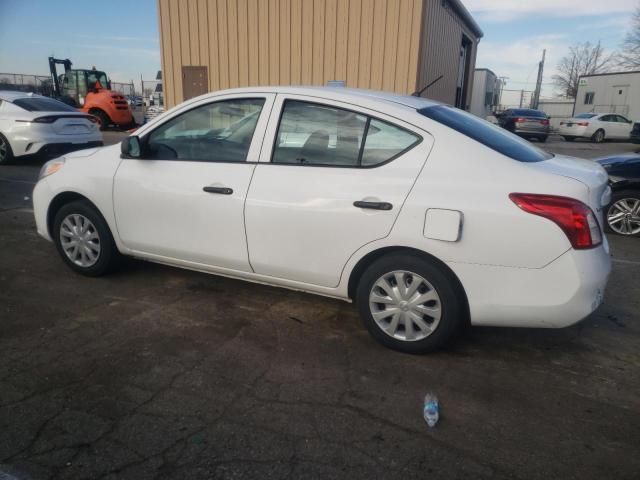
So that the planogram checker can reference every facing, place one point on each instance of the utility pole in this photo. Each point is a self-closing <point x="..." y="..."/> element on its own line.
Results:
<point x="503" y="82"/>
<point x="536" y="94"/>
<point x="521" y="97"/>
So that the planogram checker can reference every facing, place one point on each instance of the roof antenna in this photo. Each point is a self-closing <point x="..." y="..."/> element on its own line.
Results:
<point x="420" y="92"/>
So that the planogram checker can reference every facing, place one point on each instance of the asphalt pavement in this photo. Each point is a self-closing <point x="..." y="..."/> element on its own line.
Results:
<point x="157" y="372"/>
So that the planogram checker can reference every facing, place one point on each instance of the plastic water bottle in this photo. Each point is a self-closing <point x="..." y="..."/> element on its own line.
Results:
<point x="431" y="411"/>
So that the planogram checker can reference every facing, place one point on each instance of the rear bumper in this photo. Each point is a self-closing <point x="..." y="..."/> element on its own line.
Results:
<point x="121" y="116"/>
<point x="564" y="292"/>
<point x="572" y="131"/>
<point x="533" y="131"/>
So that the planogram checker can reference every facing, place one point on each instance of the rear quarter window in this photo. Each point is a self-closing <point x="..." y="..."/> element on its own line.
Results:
<point x="486" y="133"/>
<point x="36" y="104"/>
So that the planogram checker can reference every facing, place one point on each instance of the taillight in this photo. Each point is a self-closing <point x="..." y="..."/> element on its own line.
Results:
<point x="575" y="218"/>
<point x="521" y="120"/>
<point x="45" y="119"/>
<point x="544" y="122"/>
<point x="583" y="124"/>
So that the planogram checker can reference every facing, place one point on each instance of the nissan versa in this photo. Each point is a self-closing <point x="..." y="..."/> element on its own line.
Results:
<point x="424" y="215"/>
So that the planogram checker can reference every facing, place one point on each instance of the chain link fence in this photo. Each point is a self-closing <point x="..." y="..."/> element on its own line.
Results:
<point x="43" y="85"/>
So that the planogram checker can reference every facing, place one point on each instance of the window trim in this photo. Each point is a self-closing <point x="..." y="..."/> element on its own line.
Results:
<point x="144" y="139"/>
<point x="592" y="98"/>
<point x="370" y="117"/>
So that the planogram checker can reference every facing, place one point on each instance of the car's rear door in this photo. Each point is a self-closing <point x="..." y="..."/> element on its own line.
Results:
<point x="184" y="199"/>
<point x="332" y="177"/>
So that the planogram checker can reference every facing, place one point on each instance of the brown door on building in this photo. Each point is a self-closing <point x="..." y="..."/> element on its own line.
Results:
<point x="194" y="81"/>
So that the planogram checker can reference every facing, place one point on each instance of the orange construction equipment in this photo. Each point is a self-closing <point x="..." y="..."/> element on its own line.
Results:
<point x="90" y="91"/>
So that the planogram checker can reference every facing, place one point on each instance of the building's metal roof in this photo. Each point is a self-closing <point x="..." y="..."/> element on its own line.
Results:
<point x="462" y="11"/>
<point x="629" y="72"/>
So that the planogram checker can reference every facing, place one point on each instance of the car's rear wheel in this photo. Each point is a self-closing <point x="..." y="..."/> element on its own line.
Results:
<point x="6" y="154"/>
<point x="598" y="136"/>
<point x="569" y="139"/>
<point x="409" y="304"/>
<point x="83" y="239"/>
<point x="623" y="214"/>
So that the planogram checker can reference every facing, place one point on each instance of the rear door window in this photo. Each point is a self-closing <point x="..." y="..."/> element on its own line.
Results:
<point x="485" y="133"/>
<point x="42" y="104"/>
<point x="317" y="134"/>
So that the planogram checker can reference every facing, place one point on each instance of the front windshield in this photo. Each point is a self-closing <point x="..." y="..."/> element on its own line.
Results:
<point x="97" y="79"/>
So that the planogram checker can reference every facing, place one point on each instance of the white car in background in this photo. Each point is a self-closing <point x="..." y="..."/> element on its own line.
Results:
<point x="597" y="127"/>
<point x="32" y="124"/>
<point x="424" y="215"/>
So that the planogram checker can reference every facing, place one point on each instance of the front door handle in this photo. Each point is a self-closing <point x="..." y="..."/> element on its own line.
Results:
<point x="220" y="190"/>
<point x="373" y="205"/>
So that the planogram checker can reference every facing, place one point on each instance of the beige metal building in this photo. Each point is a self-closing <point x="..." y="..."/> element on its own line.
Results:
<point x="393" y="45"/>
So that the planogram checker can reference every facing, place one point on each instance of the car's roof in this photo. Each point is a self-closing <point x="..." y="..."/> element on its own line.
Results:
<point x="340" y="93"/>
<point x="10" y="95"/>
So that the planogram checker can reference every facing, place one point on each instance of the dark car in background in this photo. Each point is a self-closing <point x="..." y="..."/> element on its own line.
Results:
<point x="623" y="212"/>
<point x="526" y="122"/>
<point x="635" y="133"/>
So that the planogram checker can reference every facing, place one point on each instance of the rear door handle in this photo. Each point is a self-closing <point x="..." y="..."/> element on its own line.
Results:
<point x="220" y="190"/>
<point x="373" y="205"/>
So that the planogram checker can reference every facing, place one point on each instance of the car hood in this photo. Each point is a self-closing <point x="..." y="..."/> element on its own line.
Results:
<point x="82" y="153"/>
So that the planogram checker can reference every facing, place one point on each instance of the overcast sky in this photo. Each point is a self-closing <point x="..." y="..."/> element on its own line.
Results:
<point x="517" y="31"/>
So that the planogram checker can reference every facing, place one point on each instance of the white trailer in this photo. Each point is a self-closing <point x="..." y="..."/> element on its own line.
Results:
<point x="484" y="95"/>
<point x="609" y="93"/>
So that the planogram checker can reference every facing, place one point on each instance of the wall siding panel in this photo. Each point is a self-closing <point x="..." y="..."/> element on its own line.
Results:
<point x="394" y="45"/>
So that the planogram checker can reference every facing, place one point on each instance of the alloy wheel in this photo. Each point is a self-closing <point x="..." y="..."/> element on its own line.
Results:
<point x="80" y="240"/>
<point x="624" y="216"/>
<point x="405" y="306"/>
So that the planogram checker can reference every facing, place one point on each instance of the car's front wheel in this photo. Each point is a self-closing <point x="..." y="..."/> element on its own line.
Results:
<point x="623" y="214"/>
<point x="409" y="304"/>
<point x="83" y="239"/>
<point x="569" y="139"/>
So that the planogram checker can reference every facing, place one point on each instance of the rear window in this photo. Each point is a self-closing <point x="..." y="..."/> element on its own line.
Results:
<point x="36" y="104"/>
<point x="486" y="133"/>
<point x="586" y="115"/>
<point x="525" y="112"/>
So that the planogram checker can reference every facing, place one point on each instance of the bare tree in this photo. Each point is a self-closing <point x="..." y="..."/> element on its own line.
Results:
<point x="629" y="57"/>
<point x="582" y="59"/>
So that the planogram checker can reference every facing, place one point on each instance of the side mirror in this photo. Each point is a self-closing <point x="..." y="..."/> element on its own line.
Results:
<point x="130" y="147"/>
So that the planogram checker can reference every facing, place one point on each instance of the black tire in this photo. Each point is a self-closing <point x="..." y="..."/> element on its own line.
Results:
<point x="6" y="154"/>
<point x="617" y="196"/>
<point x="108" y="256"/>
<point x="569" y="139"/>
<point x="451" y="301"/>
<point x="542" y="139"/>
<point x="103" y="118"/>
<point x="598" y="136"/>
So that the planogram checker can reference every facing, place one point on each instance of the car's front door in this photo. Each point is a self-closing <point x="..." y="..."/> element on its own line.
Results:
<point x="184" y="199"/>
<point x="331" y="179"/>
<point x="624" y="127"/>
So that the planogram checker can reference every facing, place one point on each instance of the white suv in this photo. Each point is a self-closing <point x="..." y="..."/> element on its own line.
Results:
<point x="424" y="215"/>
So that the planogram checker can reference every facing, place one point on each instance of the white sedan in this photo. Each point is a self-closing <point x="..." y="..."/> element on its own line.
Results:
<point x="450" y="219"/>
<point x="32" y="124"/>
<point x="597" y="127"/>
